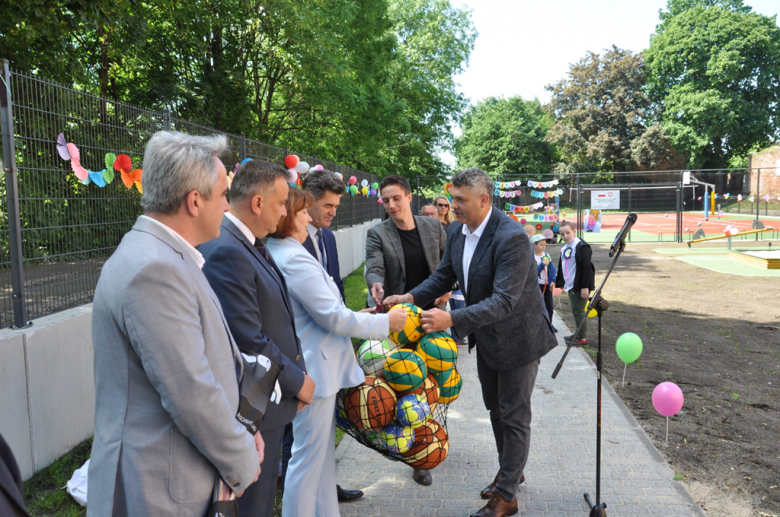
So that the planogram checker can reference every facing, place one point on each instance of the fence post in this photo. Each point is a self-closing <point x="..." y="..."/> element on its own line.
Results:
<point x="12" y="198"/>
<point x="166" y="115"/>
<point x="679" y="208"/>
<point x="243" y="147"/>
<point x="629" y="209"/>
<point x="579" y="208"/>
<point x="758" y="198"/>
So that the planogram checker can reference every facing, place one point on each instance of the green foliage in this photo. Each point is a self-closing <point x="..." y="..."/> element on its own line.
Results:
<point x="44" y="493"/>
<point x="714" y="69"/>
<point x="601" y="113"/>
<point x="366" y="83"/>
<point x="506" y="136"/>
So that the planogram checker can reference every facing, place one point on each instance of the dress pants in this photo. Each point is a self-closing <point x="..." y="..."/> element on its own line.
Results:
<point x="507" y="396"/>
<point x="258" y="499"/>
<point x="310" y="484"/>
<point x="578" y="311"/>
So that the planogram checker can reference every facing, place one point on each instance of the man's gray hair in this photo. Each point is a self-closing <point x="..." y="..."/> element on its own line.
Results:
<point x="425" y="206"/>
<point x="323" y="181"/>
<point x="477" y="180"/>
<point x="176" y="164"/>
<point x="255" y="177"/>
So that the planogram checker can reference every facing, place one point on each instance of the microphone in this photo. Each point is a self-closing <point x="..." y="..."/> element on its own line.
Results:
<point x="620" y="240"/>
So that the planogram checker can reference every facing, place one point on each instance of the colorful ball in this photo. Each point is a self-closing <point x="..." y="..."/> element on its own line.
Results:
<point x="430" y="389"/>
<point x="405" y="371"/>
<point x="450" y="390"/>
<point x="412" y="331"/>
<point x="412" y="410"/>
<point x="397" y="438"/>
<point x="370" y="405"/>
<point x="442" y="377"/>
<point x="372" y="354"/>
<point x="430" y="446"/>
<point x="439" y="351"/>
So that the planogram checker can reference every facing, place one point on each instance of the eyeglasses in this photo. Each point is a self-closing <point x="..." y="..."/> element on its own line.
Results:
<point x="442" y="205"/>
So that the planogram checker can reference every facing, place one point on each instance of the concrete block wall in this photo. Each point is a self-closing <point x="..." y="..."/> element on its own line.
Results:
<point x="47" y="389"/>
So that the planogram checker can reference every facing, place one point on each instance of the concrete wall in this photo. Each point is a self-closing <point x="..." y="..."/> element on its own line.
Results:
<point x="47" y="390"/>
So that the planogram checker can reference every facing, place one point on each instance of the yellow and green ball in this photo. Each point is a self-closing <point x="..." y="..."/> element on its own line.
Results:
<point x="412" y="331"/>
<point x="405" y="370"/>
<point x="450" y="390"/>
<point x="397" y="438"/>
<point x="439" y="350"/>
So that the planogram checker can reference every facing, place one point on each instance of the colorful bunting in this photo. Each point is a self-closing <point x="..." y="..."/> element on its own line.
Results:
<point x="542" y="184"/>
<point x="545" y="195"/>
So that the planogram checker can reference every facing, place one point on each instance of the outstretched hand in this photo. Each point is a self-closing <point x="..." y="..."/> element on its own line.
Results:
<point x="398" y="298"/>
<point x="435" y="320"/>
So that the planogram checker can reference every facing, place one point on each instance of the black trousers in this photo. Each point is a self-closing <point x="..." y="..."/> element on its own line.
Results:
<point x="548" y="299"/>
<point x="258" y="499"/>
<point x="507" y="396"/>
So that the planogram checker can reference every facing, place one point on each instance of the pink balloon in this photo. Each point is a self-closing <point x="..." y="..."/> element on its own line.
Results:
<point x="668" y="398"/>
<point x="379" y="201"/>
<point x="352" y="180"/>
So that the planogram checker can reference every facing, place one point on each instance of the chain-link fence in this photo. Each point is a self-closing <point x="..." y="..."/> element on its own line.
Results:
<point x="55" y="231"/>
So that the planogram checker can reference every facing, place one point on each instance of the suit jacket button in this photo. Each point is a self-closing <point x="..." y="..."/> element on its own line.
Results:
<point x="233" y="481"/>
<point x="331" y="279"/>
<point x="297" y="357"/>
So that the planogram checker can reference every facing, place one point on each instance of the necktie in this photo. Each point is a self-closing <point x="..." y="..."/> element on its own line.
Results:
<point x="267" y="256"/>
<point x="321" y="245"/>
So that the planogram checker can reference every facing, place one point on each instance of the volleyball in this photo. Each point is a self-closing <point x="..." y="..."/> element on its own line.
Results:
<point x="372" y="354"/>
<point x="450" y="390"/>
<point x="370" y="405"/>
<point x="405" y="371"/>
<point x="412" y="410"/>
<point x="439" y="351"/>
<point x="442" y="377"/>
<point x="430" y="446"/>
<point x="413" y="330"/>
<point x="397" y="438"/>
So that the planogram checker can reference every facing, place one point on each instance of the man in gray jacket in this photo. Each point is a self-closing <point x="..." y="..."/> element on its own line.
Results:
<point x="489" y="255"/>
<point x="401" y="252"/>
<point x="166" y="366"/>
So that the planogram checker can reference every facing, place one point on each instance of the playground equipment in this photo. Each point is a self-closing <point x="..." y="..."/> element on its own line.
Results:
<point x="729" y="237"/>
<point x="765" y="259"/>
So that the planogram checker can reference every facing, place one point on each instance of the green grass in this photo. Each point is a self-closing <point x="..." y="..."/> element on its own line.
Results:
<point x="44" y="493"/>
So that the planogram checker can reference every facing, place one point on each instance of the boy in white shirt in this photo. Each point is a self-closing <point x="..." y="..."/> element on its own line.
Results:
<point x="576" y="275"/>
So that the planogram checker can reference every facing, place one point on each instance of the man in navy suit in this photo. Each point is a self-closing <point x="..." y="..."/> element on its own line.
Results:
<point x="257" y="306"/>
<point x="327" y="190"/>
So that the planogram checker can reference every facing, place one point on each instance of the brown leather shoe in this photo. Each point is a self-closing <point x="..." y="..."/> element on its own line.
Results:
<point x="487" y="493"/>
<point x="497" y="507"/>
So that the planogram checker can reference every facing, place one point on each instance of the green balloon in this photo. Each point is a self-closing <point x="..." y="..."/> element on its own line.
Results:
<point x="353" y="189"/>
<point x="375" y="185"/>
<point x="629" y="347"/>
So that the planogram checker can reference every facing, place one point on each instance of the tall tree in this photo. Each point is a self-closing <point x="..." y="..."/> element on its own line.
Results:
<point x="600" y="109"/>
<point x="713" y="67"/>
<point x="506" y="136"/>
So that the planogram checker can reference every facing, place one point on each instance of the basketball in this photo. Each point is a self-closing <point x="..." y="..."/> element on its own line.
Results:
<point x="430" y="446"/>
<point x="372" y="354"/>
<point x="431" y="390"/>
<point x="397" y="438"/>
<point x="370" y="405"/>
<point x="413" y="330"/>
<point x="450" y="390"/>
<point x="439" y="351"/>
<point x="405" y="371"/>
<point x="412" y="410"/>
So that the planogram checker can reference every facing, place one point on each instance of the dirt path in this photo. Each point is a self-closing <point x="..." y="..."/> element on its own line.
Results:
<point x="717" y="336"/>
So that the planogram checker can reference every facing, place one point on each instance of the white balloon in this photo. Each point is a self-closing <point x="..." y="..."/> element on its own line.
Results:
<point x="341" y="177"/>
<point x="292" y="177"/>
<point x="364" y="183"/>
<point x="302" y="167"/>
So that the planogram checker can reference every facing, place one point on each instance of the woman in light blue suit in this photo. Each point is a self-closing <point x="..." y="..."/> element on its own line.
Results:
<point x="323" y="325"/>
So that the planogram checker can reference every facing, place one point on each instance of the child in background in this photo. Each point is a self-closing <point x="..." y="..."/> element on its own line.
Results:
<point x="576" y="275"/>
<point x="546" y="272"/>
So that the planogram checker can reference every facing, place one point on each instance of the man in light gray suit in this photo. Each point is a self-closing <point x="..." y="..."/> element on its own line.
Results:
<point x="489" y="255"/>
<point x="166" y="366"/>
<point x="401" y="252"/>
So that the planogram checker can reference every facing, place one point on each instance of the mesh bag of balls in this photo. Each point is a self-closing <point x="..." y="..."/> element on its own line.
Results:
<point x="400" y="410"/>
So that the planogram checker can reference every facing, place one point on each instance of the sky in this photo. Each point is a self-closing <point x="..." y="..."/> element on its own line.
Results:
<point x="524" y="45"/>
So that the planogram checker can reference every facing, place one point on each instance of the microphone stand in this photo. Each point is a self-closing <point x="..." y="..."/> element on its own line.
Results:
<point x="600" y="305"/>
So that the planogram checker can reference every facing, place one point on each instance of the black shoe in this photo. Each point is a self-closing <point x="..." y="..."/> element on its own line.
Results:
<point x="568" y="338"/>
<point x="346" y="496"/>
<point x="422" y="477"/>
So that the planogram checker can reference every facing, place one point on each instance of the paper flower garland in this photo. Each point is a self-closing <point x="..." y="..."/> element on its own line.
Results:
<point x="122" y="163"/>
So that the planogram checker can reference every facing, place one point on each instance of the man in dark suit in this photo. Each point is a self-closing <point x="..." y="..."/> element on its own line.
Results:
<point x="401" y="252"/>
<point x="327" y="190"/>
<point x="489" y="255"/>
<point x="11" y="503"/>
<point x="257" y="306"/>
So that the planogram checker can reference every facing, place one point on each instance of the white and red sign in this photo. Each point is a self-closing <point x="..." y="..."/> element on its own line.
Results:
<point x="605" y="199"/>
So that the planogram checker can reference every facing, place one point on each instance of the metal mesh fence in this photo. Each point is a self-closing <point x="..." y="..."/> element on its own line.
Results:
<point x="56" y="232"/>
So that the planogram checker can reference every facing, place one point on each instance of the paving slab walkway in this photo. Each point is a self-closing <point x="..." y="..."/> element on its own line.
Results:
<point x="636" y="481"/>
